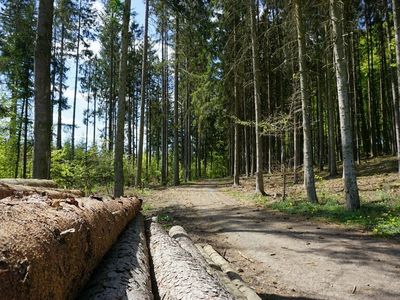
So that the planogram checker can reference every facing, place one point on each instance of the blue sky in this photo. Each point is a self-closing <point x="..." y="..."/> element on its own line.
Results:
<point x="138" y="7"/>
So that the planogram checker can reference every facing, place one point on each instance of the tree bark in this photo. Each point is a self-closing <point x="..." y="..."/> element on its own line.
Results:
<point x="30" y="182"/>
<point x="119" y="144"/>
<point x="178" y="275"/>
<point x="309" y="181"/>
<point x="164" y="74"/>
<point x="60" y="89"/>
<point x="124" y="273"/>
<point x="49" y="251"/>
<point x="237" y="144"/>
<point x="18" y="190"/>
<point x="396" y="17"/>
<point x="349" y="172"/>
<point x="138" y="179"/>
<point x="257" y="106"/>
<point x="43" y="106"/>
<point x="76" y="81"/>
<point x="176" y="104"/>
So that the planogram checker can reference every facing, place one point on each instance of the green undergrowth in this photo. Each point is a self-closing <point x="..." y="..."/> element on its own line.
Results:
<point x="382" y="218"/>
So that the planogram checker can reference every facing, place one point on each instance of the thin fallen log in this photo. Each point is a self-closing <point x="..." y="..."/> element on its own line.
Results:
<point x="19" y="191"/>
<point x="180" y="235"/>
<point x="30" y="182"/>
<point x="124" y="273"/>
<point x="49" y="252"/>
<point x="226" y="267"/>
<point x="177" y="273"/>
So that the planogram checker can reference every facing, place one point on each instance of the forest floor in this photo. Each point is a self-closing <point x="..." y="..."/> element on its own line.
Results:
<point x="290" y="256"/>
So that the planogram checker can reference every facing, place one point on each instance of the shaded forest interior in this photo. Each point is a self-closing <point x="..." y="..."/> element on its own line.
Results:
<point x="201" y="89"/>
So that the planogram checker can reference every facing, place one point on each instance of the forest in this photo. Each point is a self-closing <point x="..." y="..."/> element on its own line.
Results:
<point x="252" y="147"/>
<point x="213" y="89"/>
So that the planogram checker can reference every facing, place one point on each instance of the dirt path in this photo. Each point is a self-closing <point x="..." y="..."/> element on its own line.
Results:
<point x="285" y="257"/>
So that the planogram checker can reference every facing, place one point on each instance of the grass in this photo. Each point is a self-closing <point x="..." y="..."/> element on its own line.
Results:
<point x="382" y="217"/>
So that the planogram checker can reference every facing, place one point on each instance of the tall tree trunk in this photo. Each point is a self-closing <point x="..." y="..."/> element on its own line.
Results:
<point x="76" y="80"/>
<point x="164" y="75"/>
<point x="396" y="19"/>
<point x="257" y="106"/>
<point x="331" y="118"/>
<point x="371" y="89"/>
<point x="43" y="116"/>
<point x="60" y="97"/>
<point x="18" y="155"/>
<point x="119" y="142"/>
<point x="176" y="104"/>
<point x="94" y="117"/>
<point x="26" y="121"/>
<point x="138" y="179"/>
<point x="349" y="172"/>
<point x="237" y="142"/>
<point x="309" y="181"/>
<point x="111" y="95"/>
<point x="87" y="108"/>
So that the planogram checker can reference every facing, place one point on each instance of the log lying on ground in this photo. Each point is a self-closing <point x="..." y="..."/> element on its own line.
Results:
<point x="47" y="251"/>
<point x="124" y="273"/>
<point x="180" y="235"/>
<point x="177" y="273"/>
<point x="30" y="182"/>
<point x="226" y="267"/>
<point x="10" y="190"/>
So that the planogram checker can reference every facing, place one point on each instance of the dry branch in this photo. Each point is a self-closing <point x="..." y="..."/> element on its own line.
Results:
<point x="49" y="252"/>
<point x="11" y="190"/>
<point x="249" y="293"/>
<point x="177" y="273"/>
<point x="124" y="273"/>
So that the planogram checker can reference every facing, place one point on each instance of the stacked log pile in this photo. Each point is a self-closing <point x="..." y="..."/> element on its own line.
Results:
<point x="48" y="250"/>
<point x="52" y="242"/>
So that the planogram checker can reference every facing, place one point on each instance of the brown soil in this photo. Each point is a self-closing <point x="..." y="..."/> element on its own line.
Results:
<point x="284" y="257"/>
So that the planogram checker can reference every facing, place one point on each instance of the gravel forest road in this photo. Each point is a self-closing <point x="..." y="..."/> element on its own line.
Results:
<point x="280" y="256"/>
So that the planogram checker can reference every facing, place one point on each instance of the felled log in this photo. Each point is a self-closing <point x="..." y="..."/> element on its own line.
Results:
<point x="18" y="191"/>
<point x="226" y="267"/>
<point x="177" y="273"/>
<point x="124" y="273"/>
<point x="48" y="251"/>
<point x="180" y="235"/>
<point x="30" y="182"/>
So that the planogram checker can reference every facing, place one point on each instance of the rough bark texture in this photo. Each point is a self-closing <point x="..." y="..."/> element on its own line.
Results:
<point x="125" y="272"/>
<point x="180" y="235"/>
<point x="196" y="251"/>
<point x="30" y="182"/>
<point x="231" y="273"/>
<point x="309" y="181"/>
<point x="257" y="106"/>
<point x="119" y="142"/>
<point x="176" y="104"/>
<point x="349" y="172"/>
<point x="18" y="191"/>
<point x="177" y="273"/>
<point x="396" y="21"/>
<point x="138" y="179"/>
<point x="43" y="117"/>
<point x="48" y="248"/>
